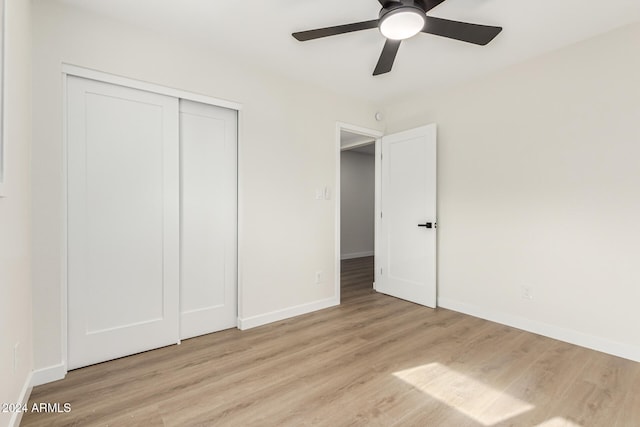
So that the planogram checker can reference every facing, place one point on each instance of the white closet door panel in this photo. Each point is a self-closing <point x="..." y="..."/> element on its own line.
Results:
<point x="123" y="209"/>
<point x="208" y="289"/>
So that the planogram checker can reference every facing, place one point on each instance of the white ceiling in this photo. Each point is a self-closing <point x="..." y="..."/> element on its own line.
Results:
<point x="258" y="33"/>
<point x="369" y="149"/>
<point x="351" y="139"/>
<point x="354" y="142"/>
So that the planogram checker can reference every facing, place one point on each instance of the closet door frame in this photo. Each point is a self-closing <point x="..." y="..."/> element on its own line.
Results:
<point x="78" y="71"/>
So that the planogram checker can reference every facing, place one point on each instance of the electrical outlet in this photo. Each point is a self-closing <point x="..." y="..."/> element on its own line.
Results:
<point x="318" y="277"/>
<point x="527" y="292"/>
<point x="15" y="357"/>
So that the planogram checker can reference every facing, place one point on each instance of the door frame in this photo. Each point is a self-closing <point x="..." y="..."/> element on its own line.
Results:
<point x="87" y="73"/>
<point x="377" y="135"/>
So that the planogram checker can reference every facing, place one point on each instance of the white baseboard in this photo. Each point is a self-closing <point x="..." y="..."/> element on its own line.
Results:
<point x="357" y="255"/>
<point x="48" y="374"/>
<point x="274" y="316"/>
<point x="556" y="332"/>
<point x="25" y="393"/>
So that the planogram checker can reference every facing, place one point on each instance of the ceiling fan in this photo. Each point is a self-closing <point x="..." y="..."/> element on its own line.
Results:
<point x="401" y="19"/>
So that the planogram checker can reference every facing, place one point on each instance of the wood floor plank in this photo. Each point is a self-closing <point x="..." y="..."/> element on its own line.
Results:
<point x="631" y="407"/>
<point x="372" y="361"/>
<point x="599" y="393"/>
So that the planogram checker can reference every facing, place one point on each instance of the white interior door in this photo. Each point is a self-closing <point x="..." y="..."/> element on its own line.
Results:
<point x="123" y="221"/>
<point x="208" y="290"/>
<point x="406" y="259"/>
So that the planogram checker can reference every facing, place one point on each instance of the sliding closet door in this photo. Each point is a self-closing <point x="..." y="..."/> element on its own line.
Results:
<point x="123" y="221"/>
<point x="208" y="289"/>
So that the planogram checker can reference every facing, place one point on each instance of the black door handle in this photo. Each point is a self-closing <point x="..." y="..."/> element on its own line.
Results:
<point x="427" y="225"/>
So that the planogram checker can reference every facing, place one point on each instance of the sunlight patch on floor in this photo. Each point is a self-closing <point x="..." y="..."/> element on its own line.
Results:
<point x="558" y="422"/>
<point x="462" y="393"/>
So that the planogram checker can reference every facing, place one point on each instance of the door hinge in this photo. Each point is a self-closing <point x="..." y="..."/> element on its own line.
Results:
<point x="380" y="214"/>
<point x="381" y="272"/>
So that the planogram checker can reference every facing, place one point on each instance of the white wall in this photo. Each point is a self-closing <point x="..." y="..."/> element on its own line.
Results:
<point x="287" y="150"/>
<point x="357" y="197"/>
<point x="539" y="187"/>
<point x="15" y="229"/>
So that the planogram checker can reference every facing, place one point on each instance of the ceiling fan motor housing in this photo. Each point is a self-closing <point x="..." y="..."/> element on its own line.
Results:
<point x="401" y="20"/>
<point x="423" y="5"/>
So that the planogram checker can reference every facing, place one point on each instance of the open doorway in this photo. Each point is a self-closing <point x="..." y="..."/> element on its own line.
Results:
<point x="356" y="209"/>
<point x="357" y="198"/>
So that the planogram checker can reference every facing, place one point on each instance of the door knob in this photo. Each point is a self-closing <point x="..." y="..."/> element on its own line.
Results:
<point x="427" y="225"/>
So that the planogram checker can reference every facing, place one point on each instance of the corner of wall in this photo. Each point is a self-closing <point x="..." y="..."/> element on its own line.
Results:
<point x="16" y="318"/>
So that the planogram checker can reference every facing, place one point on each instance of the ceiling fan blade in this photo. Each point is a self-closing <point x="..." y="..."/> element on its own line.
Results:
<point x="332" y="31"/>
<point x="430" y="4"/>
<point x="388" y="55"/>
<point x="463" y="31"/>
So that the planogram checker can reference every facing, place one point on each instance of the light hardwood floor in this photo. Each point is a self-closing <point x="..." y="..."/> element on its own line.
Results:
<point x="374" y="360"/>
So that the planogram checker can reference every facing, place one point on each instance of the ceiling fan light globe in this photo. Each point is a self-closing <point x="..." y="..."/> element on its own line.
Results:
<point x="403" y="23"/>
